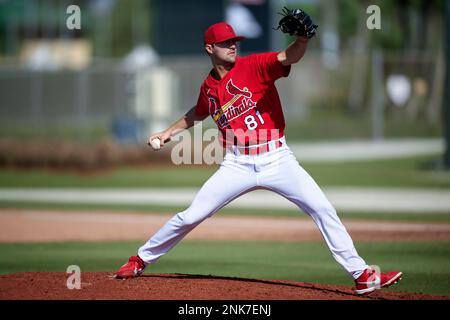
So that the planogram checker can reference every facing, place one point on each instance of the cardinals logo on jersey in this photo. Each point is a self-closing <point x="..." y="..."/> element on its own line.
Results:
<point x="231" y="109"/>
<point x="217" y="114"/>
<point x="235" y="91"/>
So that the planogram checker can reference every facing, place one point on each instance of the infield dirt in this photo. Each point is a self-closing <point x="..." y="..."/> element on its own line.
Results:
<point x="23" y="225"/>
<point x="102" y="286"/>
<point x="47" y="226"/>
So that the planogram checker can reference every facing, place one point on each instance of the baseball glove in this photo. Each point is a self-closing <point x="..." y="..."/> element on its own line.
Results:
<point x="297" y="22"/>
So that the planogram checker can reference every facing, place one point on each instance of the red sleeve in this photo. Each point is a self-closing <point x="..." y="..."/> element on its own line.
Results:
<point x="268" y="66"/>
<point x="202" y="106"/>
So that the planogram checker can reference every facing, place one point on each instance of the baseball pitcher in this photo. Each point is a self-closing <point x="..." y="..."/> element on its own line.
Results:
<point x="239" y="94"/>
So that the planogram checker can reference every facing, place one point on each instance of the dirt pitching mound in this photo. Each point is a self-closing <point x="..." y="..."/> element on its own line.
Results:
<point x="103" y="286"/>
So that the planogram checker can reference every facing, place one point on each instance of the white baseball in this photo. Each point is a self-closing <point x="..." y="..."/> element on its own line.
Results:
<point x="156" y="144"/>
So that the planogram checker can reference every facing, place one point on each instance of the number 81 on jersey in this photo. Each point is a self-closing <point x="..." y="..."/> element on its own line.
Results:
<point x="251" y="122"/>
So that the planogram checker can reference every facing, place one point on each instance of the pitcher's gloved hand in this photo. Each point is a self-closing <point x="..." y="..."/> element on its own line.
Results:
<point x="297" y="22"/>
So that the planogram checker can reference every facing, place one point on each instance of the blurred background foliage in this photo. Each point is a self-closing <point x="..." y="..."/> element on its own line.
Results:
<point x="135" y="66"/>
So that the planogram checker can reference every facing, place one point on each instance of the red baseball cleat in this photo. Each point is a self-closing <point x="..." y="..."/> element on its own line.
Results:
<point x="132" y="269"/>
<point x="372" y="280"/>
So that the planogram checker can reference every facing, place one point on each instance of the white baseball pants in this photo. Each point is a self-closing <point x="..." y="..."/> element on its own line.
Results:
<point x="276" y="170"/>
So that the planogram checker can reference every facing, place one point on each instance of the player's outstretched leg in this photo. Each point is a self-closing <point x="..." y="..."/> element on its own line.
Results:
<point x="229" y="182"/>
<point x="294" y="183"/>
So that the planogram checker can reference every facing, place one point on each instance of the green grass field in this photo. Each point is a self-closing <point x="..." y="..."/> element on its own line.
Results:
<point x="408" y="173"/>
<point x="155" y="209"/>
<point x="425" y="265"/>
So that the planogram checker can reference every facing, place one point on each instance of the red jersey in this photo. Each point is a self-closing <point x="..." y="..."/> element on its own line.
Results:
<point x="246" y="102"/>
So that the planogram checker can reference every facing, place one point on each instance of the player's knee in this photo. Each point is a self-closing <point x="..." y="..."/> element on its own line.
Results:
<point x="189" y="219"/>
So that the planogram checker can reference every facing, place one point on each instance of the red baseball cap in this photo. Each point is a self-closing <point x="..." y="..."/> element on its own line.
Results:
<point x="220" y="32"/>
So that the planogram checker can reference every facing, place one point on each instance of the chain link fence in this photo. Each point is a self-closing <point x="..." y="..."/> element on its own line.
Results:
<point x="129" y="105"/>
